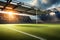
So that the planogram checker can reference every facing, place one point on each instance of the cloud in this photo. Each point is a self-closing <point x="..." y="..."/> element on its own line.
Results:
<point x="46" y="4"/>
<point x="33" y="2"/>
<point x="44" y="1"/>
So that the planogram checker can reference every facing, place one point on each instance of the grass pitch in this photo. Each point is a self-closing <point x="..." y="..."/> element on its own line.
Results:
<point x="46" y="31"/>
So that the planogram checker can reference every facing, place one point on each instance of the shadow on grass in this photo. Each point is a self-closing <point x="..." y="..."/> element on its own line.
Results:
<point x="35" y="26"/>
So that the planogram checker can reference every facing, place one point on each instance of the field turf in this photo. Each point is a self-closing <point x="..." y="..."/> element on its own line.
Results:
<point x="29" y="31"/>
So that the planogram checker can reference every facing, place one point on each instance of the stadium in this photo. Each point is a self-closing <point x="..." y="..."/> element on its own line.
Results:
<point x="29" y="20"/>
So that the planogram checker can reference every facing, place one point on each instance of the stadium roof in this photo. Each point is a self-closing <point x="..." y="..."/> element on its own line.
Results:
<point x="23" y="7"/>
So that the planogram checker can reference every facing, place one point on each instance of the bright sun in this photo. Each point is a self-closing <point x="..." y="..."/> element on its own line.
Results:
<point x="10" y="16"/>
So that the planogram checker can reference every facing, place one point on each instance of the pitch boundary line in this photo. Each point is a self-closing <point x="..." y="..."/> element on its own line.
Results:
<point x="40" y="38"/>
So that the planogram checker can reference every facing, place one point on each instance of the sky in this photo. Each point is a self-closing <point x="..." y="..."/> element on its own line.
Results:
<point x="43" y="4"/>
<point x="48" y="4"/>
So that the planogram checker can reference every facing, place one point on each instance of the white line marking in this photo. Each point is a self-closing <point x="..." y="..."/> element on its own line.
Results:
<point x="40" y="38"/>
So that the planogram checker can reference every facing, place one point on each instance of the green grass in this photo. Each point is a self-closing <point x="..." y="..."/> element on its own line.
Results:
<point x="47" y="31"/>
